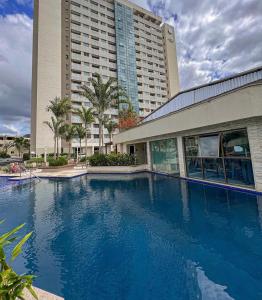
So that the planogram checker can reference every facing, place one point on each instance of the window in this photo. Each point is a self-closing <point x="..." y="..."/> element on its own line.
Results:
<point x="223" y="157"/>
<point x="209" y="146"/>
<point x="235" y="143"/>
<point x="164" y="156"/>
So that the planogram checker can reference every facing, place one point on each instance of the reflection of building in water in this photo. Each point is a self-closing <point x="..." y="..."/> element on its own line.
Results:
<point x="259" y="206"/>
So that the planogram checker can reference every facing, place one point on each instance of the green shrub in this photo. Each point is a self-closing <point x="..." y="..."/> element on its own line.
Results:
<point x="84" y="159"/>
<point x="6" y="169"/>
<point x="26" y="156"/>
<point x="12" y="285"/>
<point x="60" y="161"/>
<point x="37" y="160"/>
<point x="113" y="159"/>
<point x="4" y="155"/>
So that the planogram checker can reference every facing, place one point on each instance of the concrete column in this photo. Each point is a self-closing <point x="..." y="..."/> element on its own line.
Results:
<point x="181" y="156"/>
<point x="148" y="153"/>
<point x="124" y="148"/>
<point x="255" y="143"/>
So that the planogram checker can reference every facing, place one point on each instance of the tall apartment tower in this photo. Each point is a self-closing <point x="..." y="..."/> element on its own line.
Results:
<point x="116" y="38"/>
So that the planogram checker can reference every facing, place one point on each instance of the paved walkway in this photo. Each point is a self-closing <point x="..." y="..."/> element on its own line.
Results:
<point x="72" y="171"/>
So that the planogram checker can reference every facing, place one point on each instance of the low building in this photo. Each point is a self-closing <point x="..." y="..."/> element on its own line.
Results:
<point x="210" y="133"/>
<point x="7" y="145"/>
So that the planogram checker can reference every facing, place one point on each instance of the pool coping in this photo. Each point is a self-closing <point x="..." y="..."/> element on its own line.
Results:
<point x="42" y="295"/>
<point x="194" y="180"/>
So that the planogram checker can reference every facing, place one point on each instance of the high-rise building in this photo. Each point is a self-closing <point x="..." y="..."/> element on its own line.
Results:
<point x="116" y="38"/>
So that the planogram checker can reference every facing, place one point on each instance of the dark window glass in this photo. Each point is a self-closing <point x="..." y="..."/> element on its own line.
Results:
<point x="213" y="169"/>
<point x="239" y="171"/>
<point x="235" y="143"/>
<point x="191" y="146"/>
<point x="209" y="146"/>
<point x="194" y="167"/>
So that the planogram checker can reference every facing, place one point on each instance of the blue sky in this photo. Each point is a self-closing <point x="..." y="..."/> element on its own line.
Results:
<point x="16" y="7"/>
<point x="214" y="39"/>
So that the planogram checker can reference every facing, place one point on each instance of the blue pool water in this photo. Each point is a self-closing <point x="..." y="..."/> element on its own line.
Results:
<point x="138" y="237"/>
<point x="5" y="182"/>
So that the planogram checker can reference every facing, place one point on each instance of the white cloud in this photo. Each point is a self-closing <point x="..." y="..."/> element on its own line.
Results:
<point x="25" y="2"/>
<point x="15" y="72"/>
<point x="214" y="38"/>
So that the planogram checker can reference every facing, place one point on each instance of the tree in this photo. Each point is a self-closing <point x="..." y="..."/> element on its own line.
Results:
<point x="7" y="146"/>
<point x="128" y="118"/>
<point x="87" y="118"/>
<point x="104" y="96"/>
<point x="55" y="125"/>
<point x="20" y="143"/>
<point x="111" y="126"/>
<point x="59" y="108"/>
<point x="27" y="145"/>
<point x="68" y="132"/>
<point x="81" y="134"/>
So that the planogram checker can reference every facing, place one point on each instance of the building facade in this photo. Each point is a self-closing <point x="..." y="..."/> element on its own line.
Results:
<point x="220" y="141"/>
<point x="115" y="38"/>
<point x="7" y="145"/>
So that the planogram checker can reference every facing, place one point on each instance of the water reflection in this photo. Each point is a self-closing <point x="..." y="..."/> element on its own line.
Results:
<point x="139" y="237"/>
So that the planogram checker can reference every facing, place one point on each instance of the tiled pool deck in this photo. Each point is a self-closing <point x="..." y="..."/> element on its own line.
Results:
<point x="42" y="295"/>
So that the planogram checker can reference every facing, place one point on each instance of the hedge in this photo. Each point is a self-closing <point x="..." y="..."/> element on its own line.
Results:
<point x="60" y="161"/>
<point x="101" y="160"/>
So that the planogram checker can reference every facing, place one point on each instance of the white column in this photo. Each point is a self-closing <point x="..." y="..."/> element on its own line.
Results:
<point x="181" y="156"/>
<point x="124" y="148"/>
<point x="255" y="143"/>
<point x="148" y="153"/>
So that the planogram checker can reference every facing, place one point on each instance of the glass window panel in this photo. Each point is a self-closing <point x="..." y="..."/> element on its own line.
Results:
<point x="191" y="146"/>
<point x="209" y="146"/>
<point x="194" y="167"/>
<point x="164" y="156"/>
<point x="213" y="169"/>
<point x="235" y="143"/>
<point x="239" y="171"/>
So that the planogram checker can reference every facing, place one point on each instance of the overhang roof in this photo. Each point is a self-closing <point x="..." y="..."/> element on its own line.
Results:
<point x="204" y="92"/>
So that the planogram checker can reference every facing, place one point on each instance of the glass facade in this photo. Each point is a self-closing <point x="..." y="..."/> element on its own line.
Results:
<point x="126" y="52"/>
<point x="223" y="157"/>
<point x="164" y="156"/>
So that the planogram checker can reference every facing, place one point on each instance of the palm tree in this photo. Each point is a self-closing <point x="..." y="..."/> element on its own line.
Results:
<point x="7" y="146"/>
<point x="104" y="96"/>
<point x="19" y="143"/>
<point x="55" y="125"/>
<point x="60" y="107"/>
<point x="81" y="134"/>
<point x="111" y="126"/>
<point x="68" y="132"/>
<point x="87" y="118"/>
<point x="27" y="145"/>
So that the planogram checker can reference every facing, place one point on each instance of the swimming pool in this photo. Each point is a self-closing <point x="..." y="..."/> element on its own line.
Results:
<point x="5" y="182"/>
<point x="143" y="236"/>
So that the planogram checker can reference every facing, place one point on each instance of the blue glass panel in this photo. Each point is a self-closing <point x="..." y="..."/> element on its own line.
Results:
<point x="164" y="156"/>
<point x="194" y="167"/>
<point x="239" y="171"/>
<point x="213" y="169"/>
<point x="126" y="52"/>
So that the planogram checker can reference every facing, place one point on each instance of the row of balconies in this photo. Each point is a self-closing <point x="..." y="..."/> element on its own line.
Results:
<point x="81" y="27"/>
<point x="88" y="13"/>
<point x="91" y="51"/>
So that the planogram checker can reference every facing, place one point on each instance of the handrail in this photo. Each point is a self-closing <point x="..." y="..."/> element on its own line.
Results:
<point x="31" y="174"/>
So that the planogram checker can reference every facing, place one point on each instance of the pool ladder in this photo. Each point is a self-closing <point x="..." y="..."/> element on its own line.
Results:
<point x="31" y="174"/>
